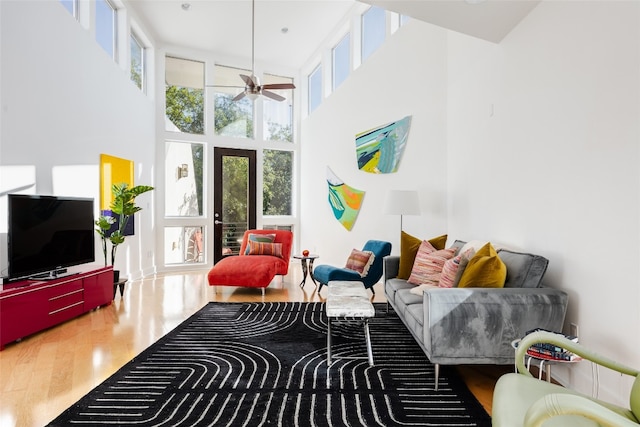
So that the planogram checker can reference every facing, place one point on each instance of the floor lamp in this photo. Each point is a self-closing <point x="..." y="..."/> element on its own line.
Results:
<point x="402" y="202"/>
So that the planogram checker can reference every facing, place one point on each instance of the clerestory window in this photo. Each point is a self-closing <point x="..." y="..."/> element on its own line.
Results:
<point x="184" y="95"/>
<point x="315" y="88"/>
<point x="106" y="27"/>
<point x="373" y="30"/>
<point x="341" y="55"/>
<point x="138" y="64"/>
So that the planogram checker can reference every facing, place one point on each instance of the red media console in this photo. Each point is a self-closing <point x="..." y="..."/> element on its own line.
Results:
<point x="29" y="306"/>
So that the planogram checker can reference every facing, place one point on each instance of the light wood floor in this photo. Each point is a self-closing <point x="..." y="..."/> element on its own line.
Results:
<point x="45" y="373"/>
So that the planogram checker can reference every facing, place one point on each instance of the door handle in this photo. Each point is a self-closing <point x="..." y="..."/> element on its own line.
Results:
<point x="216" y="222"/>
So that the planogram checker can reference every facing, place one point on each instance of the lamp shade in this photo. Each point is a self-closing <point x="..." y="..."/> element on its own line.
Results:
<point x="402" y="202"/>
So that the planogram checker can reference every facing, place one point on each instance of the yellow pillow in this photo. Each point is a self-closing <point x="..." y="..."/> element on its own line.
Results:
<point x="409" y="246"/>
<point x="484" y="270"/>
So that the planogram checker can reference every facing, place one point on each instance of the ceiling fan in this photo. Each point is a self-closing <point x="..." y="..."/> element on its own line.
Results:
<point x="252" y="87"/>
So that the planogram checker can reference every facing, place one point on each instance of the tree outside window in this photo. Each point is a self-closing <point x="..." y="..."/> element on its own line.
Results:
<point x="277" y="182"/>
<point x="184" y="98"/>
<point x="137" y="62"/>
<point x="278" y="115"/>
<point x="231" y="118"/>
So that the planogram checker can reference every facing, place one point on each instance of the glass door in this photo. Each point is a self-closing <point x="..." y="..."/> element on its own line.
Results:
<point x="234" y="194"/>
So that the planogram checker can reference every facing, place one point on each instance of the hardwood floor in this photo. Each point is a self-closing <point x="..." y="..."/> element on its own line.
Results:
<point x="47" y="372"/>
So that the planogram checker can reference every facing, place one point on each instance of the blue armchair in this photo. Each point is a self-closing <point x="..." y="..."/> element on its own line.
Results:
<point x="325" y="273"/>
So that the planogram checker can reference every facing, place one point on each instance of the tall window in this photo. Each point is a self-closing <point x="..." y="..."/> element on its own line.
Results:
<point x="184" y="95"/>
<point x="137" y="62"/>
<point x="231" y="118"/>
<point x="373" y="30"/>
<point x="315" y="88"/>
<point x="341" y="60"/>
<point x="278" y="115"/>
<point x="106" y="26"/>
<point x="277" y="182"/>
<point x="71" y="6"/>
<point x="183" y="179"/>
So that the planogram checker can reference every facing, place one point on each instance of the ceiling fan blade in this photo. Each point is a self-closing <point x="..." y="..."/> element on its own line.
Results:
<point x="247" y="80"/>
<point x="273" y="95"/>
<point x="239" y="96"/>
<point x="242" y="87"/>
<point x="279" y="86"/>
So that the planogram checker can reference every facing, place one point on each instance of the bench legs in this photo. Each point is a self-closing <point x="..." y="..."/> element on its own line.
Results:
<point x="367" y="337"/>
<point x="328" y="341"/>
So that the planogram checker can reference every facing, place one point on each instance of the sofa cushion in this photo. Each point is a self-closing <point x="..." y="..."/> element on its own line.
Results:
<point x="360" y="261"/>
<point x="405" y="297"/>
<point x="484" y="270"/>
<point x="409" y="246"/>
<point x="392" y="286"/>
<point x="524" y="270"/>
<point x="427" y="267"/>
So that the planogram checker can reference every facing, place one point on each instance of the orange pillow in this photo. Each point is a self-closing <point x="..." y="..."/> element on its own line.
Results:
<point x="409" y="246"/>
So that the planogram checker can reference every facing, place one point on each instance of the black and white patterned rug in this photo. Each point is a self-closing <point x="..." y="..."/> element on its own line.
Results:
<point x="255" y="364"/>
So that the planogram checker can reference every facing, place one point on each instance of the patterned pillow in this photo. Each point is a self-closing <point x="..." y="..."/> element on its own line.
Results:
<point x="265" y="248"/>
<point x="453" y="268"/>
<point x="360" y="261"/>
<point x="428" y="265"/>
<point x="409" y="246"/>
<point x="254" y="237"/>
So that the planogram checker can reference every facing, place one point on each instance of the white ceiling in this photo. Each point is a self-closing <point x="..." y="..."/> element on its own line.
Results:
<point x="224" y="26"/>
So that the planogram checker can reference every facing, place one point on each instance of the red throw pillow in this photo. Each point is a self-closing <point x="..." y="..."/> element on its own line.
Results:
<point x="264" y="248"/>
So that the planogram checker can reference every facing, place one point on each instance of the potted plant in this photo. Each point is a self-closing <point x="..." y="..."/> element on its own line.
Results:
<point x="123" y="205"/>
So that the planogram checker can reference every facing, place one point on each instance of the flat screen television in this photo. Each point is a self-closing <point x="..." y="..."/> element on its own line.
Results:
<point x="46" y="234"/>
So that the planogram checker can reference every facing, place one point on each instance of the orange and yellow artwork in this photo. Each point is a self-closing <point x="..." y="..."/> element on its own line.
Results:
<point x="345" y="201"/>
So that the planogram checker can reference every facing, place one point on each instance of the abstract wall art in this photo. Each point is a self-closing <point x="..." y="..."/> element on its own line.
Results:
<point x="379" y="150"/>
<point x="345" y="201"/>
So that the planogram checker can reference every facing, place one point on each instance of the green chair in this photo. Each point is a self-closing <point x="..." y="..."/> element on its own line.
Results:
<point x="521" y="400"/>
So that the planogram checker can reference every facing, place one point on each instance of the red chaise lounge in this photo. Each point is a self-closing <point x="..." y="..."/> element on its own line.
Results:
<point x="257" y="263"/>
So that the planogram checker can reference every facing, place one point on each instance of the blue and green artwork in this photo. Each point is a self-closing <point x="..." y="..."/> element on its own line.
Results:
<point x="345" y="201"/>
<point x="379" y="150"/>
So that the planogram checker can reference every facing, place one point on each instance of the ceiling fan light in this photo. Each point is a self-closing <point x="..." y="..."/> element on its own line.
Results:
<point x="252" y="96"/>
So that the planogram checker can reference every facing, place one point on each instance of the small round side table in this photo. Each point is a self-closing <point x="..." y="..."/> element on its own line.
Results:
<point x="307" y="267"/>
<point x="544" y="363"/>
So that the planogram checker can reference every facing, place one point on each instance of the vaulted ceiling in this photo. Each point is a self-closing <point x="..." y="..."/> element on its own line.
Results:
<point x="224" y="26"/>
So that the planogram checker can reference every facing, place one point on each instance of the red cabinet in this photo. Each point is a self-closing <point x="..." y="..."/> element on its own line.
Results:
<point x="30" y="306"/>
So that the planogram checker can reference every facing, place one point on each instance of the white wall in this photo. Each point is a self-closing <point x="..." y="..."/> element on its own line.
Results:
<point x="532" y="143"/>
<point x="64" y="101"/>
<point x="554" y="170"/>
<point x="398" y="80"/>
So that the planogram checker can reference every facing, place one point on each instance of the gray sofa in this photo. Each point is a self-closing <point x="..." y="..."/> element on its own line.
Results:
<point x="456" y="326"/>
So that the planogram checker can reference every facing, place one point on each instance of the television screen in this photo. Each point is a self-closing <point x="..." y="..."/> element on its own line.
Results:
<point x="47" y="233"/>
